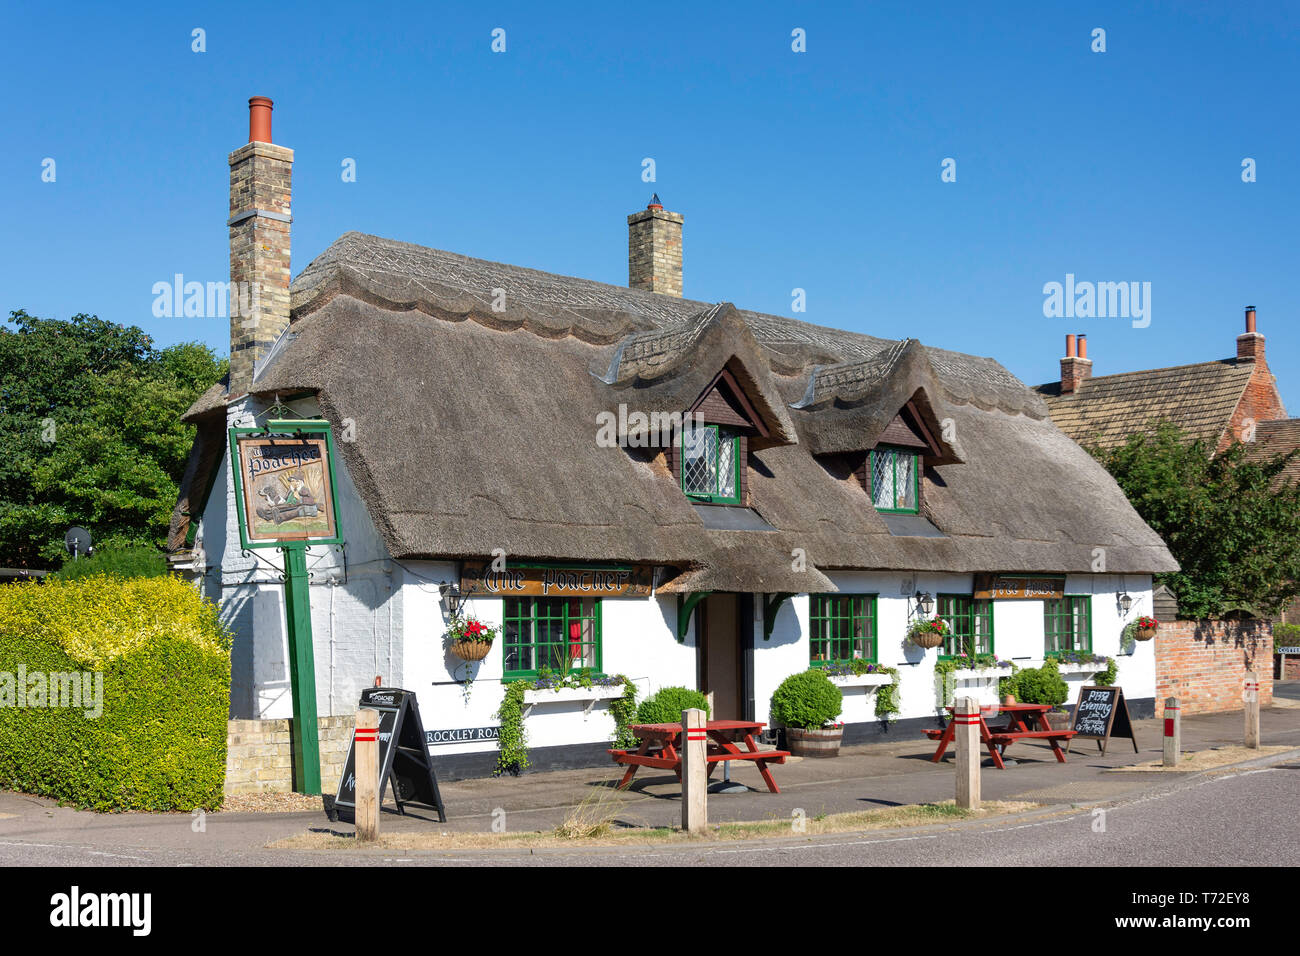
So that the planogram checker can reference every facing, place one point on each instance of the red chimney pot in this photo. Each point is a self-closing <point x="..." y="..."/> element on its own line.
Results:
<point x="259" y="119"/>
<point x="1250" y="318"/>
<point x="1083" y="346"/>
<point x="1069" y="347"/>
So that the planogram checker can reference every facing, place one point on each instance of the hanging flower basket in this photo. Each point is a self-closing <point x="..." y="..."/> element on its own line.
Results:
<point x="468" y="639"/>
<point x="927" y="634"/>
<point x="1146" y="628"/>
<point x="470" y="650"/>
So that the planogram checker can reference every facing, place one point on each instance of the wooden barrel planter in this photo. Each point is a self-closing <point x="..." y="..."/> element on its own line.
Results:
<point x="1145" y="633"/>
<point x="814" y="743"/>
<point x="470" y="650"/>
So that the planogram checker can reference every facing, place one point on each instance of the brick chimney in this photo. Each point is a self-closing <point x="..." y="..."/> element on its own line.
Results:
<point x="1250" y="344"/>
<point x="260" y="192"/>
<point x="1076" y="367"/>
<point x="654" y="249"/>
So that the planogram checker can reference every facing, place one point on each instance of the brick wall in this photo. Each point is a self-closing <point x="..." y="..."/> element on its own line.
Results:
<point x="258" y="755"/>
<point x="1261" y="402"/>
<point x="1203" y="663"/>
<point x="654" y="251"/>
<point x="261" y="176"/>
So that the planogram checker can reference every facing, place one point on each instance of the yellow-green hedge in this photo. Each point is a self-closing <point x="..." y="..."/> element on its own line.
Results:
<point x="160" y="741"/>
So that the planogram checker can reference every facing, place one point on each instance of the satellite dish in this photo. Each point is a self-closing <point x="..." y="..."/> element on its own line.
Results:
<point x="77" y="541"/>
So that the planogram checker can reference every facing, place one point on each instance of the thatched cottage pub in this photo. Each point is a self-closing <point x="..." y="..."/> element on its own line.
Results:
<point x="505" y="444"/>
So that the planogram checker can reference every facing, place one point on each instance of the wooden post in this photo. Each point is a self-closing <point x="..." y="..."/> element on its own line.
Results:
<point x="1173" y="732"/>
<point x="695" y="771"/>
<point x="303" y="731"/>
<point x="366" y="743"/>
<point x="966" y="737"/>
<point x="1250" y="698"/>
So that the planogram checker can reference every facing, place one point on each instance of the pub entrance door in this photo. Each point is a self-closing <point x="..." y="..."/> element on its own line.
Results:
<point x="726" y="655"/>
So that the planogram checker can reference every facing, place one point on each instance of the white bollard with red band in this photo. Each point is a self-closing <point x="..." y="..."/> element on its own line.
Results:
<point x="1250" y="701"/>
<point x="966" y="737"/>
<point x="1173" y="732"/>
<point x="366" y="752"/>
<point x="695" y="770"/>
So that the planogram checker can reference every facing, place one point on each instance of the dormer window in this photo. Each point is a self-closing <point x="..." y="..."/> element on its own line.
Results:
<point x="711" y="462"/>
<point x="895" y="480"/>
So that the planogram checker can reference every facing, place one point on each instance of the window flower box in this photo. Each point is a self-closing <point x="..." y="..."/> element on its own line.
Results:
<point x="869" y="681"/>
<point x="564" y="695"/>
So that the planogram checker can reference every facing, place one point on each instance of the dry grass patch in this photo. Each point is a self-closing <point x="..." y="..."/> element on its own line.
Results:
<point x="591" y="823"/>
<point x="1197" y="760"/>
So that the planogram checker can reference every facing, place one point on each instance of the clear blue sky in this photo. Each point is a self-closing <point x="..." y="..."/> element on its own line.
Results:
<point x="818" y="170"/>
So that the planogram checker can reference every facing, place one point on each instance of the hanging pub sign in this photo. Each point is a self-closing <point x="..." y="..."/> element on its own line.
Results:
<point x="284" y="484"/>
<point x="1018" y="587"/>
<point x="480" y="578"/>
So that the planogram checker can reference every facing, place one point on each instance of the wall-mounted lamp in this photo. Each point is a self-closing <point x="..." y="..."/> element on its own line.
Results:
<point x="1125" y="602"/>
<point x="924" y="603"/>
<point x="450" y="592"/>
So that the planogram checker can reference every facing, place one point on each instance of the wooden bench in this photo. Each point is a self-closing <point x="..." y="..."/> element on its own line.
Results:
<point x="1013" y="736"/>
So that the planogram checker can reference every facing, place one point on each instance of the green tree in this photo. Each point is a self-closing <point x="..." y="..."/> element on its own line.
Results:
<point x="1233" y="525"/>
<point x="90" y="433"/>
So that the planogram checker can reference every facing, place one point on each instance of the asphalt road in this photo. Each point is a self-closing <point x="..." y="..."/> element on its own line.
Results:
<point x="1235" y="818"/>
<point x="1290" y="689"/>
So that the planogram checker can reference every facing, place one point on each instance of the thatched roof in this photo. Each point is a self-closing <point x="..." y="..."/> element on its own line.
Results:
<point x="476" y="429"/>
<point x="1106" y="410"/>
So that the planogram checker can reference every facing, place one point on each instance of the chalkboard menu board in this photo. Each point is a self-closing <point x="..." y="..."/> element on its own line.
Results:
<point x="403" y="757"/>
<point x="1100" y="713"/>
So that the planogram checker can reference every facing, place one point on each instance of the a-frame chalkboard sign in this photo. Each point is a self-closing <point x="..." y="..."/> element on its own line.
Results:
<point x="1102" y="712"/>
<point x="403" y="757"/>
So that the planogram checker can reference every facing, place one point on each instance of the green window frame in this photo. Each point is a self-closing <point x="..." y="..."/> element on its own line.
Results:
<point x="710" y="464"/>
<point x="1067" y="624"/>
<point x="842" y="628"/>
<point x="895" y="480"/>
<point x="970" y="625"/>
<point x="560" y="633"/>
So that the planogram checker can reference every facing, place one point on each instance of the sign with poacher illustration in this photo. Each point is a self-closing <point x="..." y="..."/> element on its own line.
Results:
<point x="284" y="482"/>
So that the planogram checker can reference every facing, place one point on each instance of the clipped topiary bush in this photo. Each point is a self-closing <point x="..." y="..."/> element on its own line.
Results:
<point x="1038" y="685"/>
<point x="114" y="693"/>
<point x="807" y="700"/>
<point x="665" y="705"/>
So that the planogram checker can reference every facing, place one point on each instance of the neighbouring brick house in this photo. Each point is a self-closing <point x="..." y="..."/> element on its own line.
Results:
<point x="1220" y="402"/>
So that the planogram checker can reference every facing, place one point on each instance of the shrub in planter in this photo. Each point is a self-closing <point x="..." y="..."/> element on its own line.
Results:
<point x="665" y="705"/>
<point x="1037" y="685"/>
<point x="153" y="663"/>
<point x="805" y="704"/>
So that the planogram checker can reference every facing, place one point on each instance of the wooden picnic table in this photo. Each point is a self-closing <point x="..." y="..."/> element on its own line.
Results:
<point x="722" y="747"/>
<point x="1024" y="722"/>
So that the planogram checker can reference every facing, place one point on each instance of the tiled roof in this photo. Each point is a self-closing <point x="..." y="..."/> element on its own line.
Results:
<point x="1106" y="410"/>
<point x="1274" y="438"/>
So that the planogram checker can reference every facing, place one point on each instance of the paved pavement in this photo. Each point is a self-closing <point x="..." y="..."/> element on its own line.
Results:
<point x="1290" y="689"/>
<point x="34" y="831"/>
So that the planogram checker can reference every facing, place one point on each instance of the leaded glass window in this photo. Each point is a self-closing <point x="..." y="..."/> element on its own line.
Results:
<point x="895" y="480"/>
<point x="711" y="463"/>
